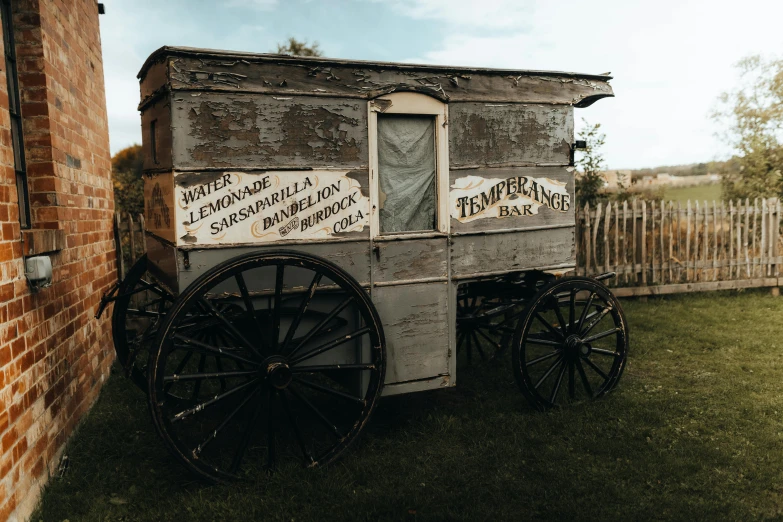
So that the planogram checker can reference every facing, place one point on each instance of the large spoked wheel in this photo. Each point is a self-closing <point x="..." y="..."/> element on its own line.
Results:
<point x="138" y="311"/>
<point x="267" y="358"/>
<point x="570" y="344"/>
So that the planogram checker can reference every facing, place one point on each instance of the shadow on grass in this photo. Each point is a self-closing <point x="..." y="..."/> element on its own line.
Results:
<point x="692" y="432"/>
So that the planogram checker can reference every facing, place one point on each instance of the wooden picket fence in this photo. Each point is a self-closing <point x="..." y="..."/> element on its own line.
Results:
<point x="654" y="247"/>
<point x="666" y="247"/>
<point x="129" y="239"/>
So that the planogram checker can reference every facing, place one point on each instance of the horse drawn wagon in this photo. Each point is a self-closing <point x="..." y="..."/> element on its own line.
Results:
<point x="324" y="232"/>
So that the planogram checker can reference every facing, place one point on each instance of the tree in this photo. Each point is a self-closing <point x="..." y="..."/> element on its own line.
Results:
<point x="296" y="48"/>
<point x="588" y="181"/>
<point x="126" y="173"/>
<point x="752" y="117"/>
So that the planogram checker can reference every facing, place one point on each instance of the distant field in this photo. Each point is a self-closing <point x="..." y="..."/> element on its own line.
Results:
<point x="700" y="192"/>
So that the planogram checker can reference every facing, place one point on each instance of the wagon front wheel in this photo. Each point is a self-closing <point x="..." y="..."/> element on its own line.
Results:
<point x="570" y="344"/>
<point x="266" y="359"/>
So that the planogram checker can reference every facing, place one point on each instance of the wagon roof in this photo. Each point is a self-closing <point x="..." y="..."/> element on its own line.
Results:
<point x="300" y="60"/>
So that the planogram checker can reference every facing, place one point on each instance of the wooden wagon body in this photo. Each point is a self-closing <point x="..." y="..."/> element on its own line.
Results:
<point x="252" y="152"/>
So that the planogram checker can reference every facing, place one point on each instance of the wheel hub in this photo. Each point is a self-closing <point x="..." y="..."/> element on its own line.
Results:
<point x="278" y="373"/>
<point x="574" y="347"/>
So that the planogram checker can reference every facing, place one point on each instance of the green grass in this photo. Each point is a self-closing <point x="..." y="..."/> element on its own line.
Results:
<point x="700" y="192"/>
<point x="693" y="432"/>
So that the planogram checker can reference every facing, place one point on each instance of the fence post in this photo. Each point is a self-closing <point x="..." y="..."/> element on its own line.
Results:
<point x="587" y="238"/>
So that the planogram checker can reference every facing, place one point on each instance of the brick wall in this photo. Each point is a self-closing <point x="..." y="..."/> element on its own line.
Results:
<point x="53" y="354"/>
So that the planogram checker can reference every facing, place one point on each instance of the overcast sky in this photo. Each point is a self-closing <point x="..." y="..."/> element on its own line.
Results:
<point x="670" y="58"/>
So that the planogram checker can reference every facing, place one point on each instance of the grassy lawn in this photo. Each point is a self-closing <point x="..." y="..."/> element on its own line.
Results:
<point x="693" y="432"/>
<point x="700" y="192"/>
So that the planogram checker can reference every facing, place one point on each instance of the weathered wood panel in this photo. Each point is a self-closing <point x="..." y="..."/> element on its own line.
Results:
<point x="512" y="199"/>
<point x="197" y="69"/>
<point x="410" y="259"/>
<point x="159" y="206"/>
<point x="487" y="134"/>
<point x="351" y="256"/>
<point x="162" y="258"/>
<point x="258" y="131"/>
<point x="415" y="323"/>
<point x="153" y="79"/>
<point x="156" y="144"/>
<point x="512" y="251"/>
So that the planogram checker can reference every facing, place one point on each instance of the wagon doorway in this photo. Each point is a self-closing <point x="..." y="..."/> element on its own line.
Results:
<point x="408" y="140"/>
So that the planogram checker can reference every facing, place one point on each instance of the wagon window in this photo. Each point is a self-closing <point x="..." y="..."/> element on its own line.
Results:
<point x="406" y="173"/>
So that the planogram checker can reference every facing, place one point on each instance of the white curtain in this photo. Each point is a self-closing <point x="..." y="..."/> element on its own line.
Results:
<point x="406" y="164"/>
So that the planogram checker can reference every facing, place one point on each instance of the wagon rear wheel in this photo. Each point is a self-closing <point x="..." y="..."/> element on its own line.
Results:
<point x="288" y="369"/>
<point x="138" y="311"/>
<point x="570" y="344"/>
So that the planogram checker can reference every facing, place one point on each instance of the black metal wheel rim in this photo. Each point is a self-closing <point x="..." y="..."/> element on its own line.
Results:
<point x="571" y="343"/>
<point x="289" y="367"/>
<point x="138" y="311"/>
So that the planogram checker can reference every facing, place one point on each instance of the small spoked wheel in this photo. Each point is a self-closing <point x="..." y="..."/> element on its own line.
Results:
<point x="266" y="359"/>
<point x="486" y="313"/>
<point x="570" y="344"/>
<point x="138" y="311"/>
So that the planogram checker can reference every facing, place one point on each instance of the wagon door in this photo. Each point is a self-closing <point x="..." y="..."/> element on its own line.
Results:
<point x="409" y="226"/>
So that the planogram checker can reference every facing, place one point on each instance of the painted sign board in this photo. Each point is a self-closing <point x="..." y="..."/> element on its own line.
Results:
<point x="261" y="207"/>
<point x="474" y="197"/>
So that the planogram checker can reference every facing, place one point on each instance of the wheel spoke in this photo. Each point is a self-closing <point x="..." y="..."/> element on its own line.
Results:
<point x="331" y="367"/>
<point x="320" y="325"/>
<point x="295" y="427"/>
<point x="276" y="312"/>
<point x="559" y="316"/>
<point x="197" y="451"/>
<point x="326" y="422"/>
<point x="300" y="313"/>
<point x="179" y="368"/>
<point x="332" y="391"/>
<point x="585" y="310"/>
<point x="542" y="358"/>
<point x="544" y="342"/>
<point x="489" y="340"/>
<point x="231" y="328"/>
<point x="197" y="387"/>
<point x="217" y="351"/>
<point x="240" y="279"/>
<point x="548" y="372"/>
<point x="548" y="325"/>
<point x="200" y="407"/>
<point x="478" y="344"/>
<point x="211" y="375"/>
<point x="559" y="380"/>
<point x="583" y="376"/>
<point x="571" y="309"/>
<point x="587" y="318"/>
<point x="601" y="335"/>
<point x="330" y="345"/>
<point x="595" y="321"/>
<point x="605" y="352"/>
<point x="248" y="434"/>
<point x="595" y="367"/>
